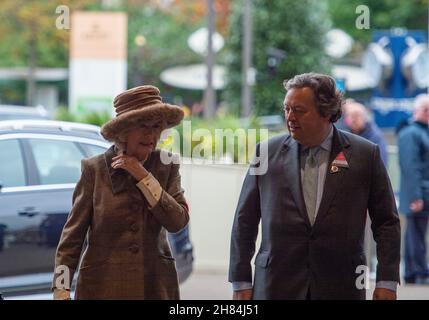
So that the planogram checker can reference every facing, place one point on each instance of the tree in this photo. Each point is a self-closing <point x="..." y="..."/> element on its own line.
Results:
<point x="165" y="29"/>
<point x="384" y="14"/>
<point x="165" y="41"/>
<point x="196" y="10"/>
<point x="29" y="36"/>
<point x="295" y="27"/>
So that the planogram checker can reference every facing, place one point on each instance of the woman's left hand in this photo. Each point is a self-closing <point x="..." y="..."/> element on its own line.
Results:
<point x="130" y="164"/>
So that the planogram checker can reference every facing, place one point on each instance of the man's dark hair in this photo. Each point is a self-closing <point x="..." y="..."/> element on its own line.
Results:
<point x="329" y="99"/>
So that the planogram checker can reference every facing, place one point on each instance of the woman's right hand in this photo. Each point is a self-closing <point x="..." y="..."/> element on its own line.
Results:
<point x="61" y="294"/>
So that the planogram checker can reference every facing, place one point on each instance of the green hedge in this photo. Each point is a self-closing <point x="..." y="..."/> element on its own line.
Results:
<point x="199" y="135"/>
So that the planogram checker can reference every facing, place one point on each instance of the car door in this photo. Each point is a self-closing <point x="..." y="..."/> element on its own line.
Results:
<point x="16" y="231"/>
<point x="34" y="211"/>
<point x="56" y="166"/>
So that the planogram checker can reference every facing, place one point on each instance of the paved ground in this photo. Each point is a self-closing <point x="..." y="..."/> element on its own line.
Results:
<point x="214" y="286"/>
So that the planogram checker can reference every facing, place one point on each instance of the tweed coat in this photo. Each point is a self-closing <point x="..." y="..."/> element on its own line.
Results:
<point x="127" y="255"/>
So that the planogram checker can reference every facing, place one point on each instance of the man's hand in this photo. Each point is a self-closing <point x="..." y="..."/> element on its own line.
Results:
<point x="61" y="294"/>
<point x="417" y="205"/>
<point x="130" y="164"/>
<point x="384" y="294"/>
<point x="242" y="294"/>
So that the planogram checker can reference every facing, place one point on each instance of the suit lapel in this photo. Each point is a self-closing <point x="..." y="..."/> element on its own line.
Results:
<point x="293" y="174"/>
<point x="333" y="180"/>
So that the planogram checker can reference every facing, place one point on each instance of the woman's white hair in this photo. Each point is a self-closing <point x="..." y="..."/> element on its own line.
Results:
<point x="421" y="100"/>
<point x="120" y="141"/>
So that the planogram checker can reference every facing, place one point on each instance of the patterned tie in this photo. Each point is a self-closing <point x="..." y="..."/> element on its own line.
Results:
<point x="309" y="183"/>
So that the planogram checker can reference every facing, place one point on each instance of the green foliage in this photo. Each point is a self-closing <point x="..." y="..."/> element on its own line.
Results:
<point x="62" y="114"/>
<point x="166" y="42"/>
<point x="96" y="118"/>
<point x="297" y="27"/>
<point x="31" y="26"/>
<point x="221" y="139"/>
<point x="384" y="14"/>
<point x="26" y="25"/>
<point x="12" y="92"/>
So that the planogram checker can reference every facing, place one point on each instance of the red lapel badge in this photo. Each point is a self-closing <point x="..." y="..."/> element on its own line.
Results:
<point x="339" y="161"/>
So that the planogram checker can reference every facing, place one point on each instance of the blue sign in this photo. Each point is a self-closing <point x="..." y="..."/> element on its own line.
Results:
<point x="392" y="99"/>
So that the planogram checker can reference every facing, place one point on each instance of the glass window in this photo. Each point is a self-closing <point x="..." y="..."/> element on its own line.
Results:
<point x="57" y="161"/>
<point x="12" y="172"/>
<point x="93" y="150"/>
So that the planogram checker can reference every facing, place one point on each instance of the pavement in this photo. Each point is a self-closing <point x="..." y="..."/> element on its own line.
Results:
<point x="213" y="285"/>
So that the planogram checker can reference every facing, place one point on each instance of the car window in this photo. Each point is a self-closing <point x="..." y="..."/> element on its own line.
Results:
<point x="12" y="172"/>
<point x="56" y="161"/>
<point x="21" y="117"/>
<point x="93" y="150"/>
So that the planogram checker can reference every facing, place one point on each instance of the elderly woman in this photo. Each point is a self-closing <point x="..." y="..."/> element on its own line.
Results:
<point x="125" y="201"/>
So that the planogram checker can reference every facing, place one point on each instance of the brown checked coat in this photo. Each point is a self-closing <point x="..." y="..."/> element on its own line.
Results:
<point x="127" y="254"/>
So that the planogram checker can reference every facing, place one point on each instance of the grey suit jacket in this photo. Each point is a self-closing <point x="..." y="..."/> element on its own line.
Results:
<point x="296" y="258"/>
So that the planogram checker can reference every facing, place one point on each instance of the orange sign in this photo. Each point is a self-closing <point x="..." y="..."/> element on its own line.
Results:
<point x="98" y="35"/>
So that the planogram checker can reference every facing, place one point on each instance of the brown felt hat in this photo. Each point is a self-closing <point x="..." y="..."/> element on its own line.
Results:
<point x="137" y="106"/>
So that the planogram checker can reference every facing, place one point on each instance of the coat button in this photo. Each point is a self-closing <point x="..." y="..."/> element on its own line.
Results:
<point x="134" y="248"/>
<point x="134" y="227"/>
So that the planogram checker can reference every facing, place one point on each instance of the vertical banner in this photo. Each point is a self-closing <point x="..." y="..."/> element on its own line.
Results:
<point x="98" y="60"/>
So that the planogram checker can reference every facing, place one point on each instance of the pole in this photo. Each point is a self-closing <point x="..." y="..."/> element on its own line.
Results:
<point x="209" y="94"/>
<point x="246" y="93"/>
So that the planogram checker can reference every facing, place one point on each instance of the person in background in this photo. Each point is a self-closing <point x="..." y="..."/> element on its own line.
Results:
<point x="357" y="120"/>
<point x="413" y="143"/>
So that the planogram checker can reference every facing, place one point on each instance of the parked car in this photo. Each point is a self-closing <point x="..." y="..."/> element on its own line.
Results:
<point x="39" y="167"/>
<point x="11" y="112"/>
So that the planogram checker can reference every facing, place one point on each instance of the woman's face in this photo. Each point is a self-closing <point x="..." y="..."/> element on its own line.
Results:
<point x="142" y="141"/>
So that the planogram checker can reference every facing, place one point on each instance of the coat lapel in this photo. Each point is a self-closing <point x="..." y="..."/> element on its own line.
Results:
<point x="293" y="175"/>
<point x="333" y="179"/>
<point x="119" y="178"/>
<point x="152" y="165"/>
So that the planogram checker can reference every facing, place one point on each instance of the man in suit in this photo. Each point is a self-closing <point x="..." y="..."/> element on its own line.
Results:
<point x="312" y="204"/>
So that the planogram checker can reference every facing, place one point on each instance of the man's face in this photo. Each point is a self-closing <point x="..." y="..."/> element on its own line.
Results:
<point x="422" y="113"/>
<point x="355" y="119"/>
<point x="303" y="120"/>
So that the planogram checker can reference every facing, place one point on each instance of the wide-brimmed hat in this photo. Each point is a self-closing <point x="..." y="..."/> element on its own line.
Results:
<point x="137" y="106"/>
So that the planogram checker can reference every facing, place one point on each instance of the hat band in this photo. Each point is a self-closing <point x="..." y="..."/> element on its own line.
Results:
<point x="136" y="106"/>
